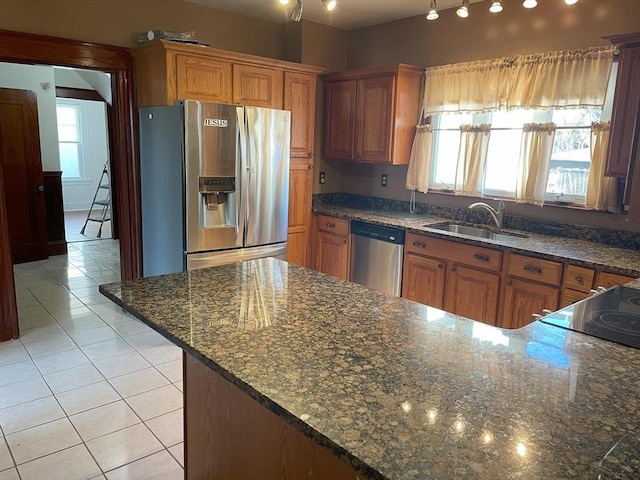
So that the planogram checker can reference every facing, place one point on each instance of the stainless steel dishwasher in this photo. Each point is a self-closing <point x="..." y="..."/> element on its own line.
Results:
<point x="376" y="256"/>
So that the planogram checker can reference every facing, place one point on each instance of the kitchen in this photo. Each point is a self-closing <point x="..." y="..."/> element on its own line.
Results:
<point x="336" y="55"/>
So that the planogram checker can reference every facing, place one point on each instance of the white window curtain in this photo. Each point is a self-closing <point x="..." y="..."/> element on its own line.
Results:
<point x="601" y="191"/>
<point x="420" y="160"/>
<point x="472" y="159"/>
<point x="533" y="165"/>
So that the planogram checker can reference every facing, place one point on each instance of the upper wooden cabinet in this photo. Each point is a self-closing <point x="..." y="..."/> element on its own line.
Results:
<point x="257" y="86"/>
<point x="300" y="100"/>
<point x="202" y="78"/>
<point x="371" y="114"/>
<point x="626" y="105"/>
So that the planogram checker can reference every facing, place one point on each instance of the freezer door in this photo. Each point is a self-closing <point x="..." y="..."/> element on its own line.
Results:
<point x="267" y="175"/>
<point x="212" y="170"/>
<point x="213" y="259"/>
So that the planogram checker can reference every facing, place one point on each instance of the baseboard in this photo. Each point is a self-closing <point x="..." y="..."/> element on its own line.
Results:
<point x="57" y="247"/>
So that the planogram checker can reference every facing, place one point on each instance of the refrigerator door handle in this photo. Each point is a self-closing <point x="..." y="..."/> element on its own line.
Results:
<point x="243" y="177"/>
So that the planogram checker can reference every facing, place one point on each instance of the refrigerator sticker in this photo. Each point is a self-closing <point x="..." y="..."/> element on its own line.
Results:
<point x="216" y="122"/>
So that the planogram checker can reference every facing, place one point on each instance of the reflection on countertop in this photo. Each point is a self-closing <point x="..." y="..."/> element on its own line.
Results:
<point x="397" y="389"/>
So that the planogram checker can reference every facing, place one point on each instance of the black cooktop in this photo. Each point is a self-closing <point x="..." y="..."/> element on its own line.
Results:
<point x="613" y="315"/>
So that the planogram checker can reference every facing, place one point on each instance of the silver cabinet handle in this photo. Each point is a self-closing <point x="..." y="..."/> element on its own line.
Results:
<point x="419" y="245"/>
<point x="536" y="316"/>
<point x="547" y="311"/>
<point x="331" y="224"/>
<point x="532" y="268"/>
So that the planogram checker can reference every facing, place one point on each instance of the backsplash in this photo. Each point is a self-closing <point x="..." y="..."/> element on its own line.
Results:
<point x="615" y="238"/>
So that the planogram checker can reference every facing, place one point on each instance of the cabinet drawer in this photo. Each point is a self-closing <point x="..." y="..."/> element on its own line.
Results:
<point x="578" y="278"/>
<point x="337" y="226"/>
<point x="543" y="271"/>
<point x="570" y="296"/>
<point x="608" y="280"/>
<point x="457" y="252"/>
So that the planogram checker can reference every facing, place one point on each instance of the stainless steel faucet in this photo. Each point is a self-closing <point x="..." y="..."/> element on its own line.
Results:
<point x="496" y="214"/>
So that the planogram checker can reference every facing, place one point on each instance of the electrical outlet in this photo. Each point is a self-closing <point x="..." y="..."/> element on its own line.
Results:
<point x="383" y="180"/>
<point x="322" y="178"/>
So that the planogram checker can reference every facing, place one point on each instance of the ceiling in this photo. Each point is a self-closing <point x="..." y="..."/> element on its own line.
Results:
<point x="348" y="14"/>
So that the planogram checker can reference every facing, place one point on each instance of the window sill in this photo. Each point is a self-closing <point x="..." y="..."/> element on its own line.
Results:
<point x="74" y="183"/>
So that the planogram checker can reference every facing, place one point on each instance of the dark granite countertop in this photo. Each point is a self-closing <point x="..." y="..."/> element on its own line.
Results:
<point x="397" y="389"/>
<point x="579" y="252"/>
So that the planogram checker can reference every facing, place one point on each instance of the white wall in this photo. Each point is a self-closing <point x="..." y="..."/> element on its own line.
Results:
<point x="31" y="77"/>
<point x="85" y="79"/>
<point x="78" y="195"/>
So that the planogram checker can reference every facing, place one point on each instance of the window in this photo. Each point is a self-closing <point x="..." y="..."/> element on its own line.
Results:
<point x="570" y="161"/>
<point x="70" y="140"/>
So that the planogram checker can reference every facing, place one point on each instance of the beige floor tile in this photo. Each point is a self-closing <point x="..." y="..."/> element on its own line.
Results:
<point x="178" y="453"/>
<point x="138" y="382"/>
<point x="159" y="466"/>
<point x="87" y="397"/>
<point x="24" y="391"/>
<point x="122" y="364"/>
<point x="74" y="314"/>
<point x="30" y="414"/>
<point x="73" y="378"/>
<point x="131" y="327"/>
<point x="102" y="350"/>
<point x="162" y="354"/>
<point x="156" y="402"/>
<point x="103" y="420"/>
<point x="33" y="322"/>
<point x="12" y="343"/>
<point x="146" y="340"/>
<point x="42" y="440"/>
<point x="84" y="322"/>
<point x="41" y="333"/>
<point x="93" y="335"/>
<point x="168" y="427"/>
<point x="179" y="385"/>
<point x="74" y="463"/>
<point x="172" y="370"/>
<point x="124" y="446"/>
<point x="61" y="361"/>
<point x="17" y="372"/>
<point x="5" y="456"/>
<point x="49" y="346"/>
<point x="11" y="474"/>
<point x="14" y="354"/>
<point x="32" y="311"/>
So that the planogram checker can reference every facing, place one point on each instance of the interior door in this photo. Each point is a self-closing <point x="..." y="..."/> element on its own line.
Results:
<point x="22" y="171"/>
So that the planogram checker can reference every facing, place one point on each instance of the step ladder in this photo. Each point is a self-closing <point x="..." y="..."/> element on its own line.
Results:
<point x="101" y="205"/>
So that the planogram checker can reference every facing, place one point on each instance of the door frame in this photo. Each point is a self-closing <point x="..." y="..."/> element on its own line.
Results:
<point x="18" y="47"/>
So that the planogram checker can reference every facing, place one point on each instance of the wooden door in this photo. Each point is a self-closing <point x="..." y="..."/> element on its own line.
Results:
<point x="8" y="305"/>
<point x="374" y="119"/>
<point x="202" y="78"/>
<point x="22" y="172"/>
<point x="340" y="120"/>
<point x="300" y="178"/>
<point x="300" y="100"/>
<point x="472" y="293"/>
<point x="423" y="280"/>
<point x="333" y="255"/>
<point x="257" y="86"/>
<point x="522" y="299"/>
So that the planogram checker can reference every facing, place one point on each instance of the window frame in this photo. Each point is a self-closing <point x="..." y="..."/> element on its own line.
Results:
<point x="83" y="162"/>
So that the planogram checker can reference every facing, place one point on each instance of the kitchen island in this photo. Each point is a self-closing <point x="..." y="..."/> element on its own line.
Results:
<point x="381" y="387"/>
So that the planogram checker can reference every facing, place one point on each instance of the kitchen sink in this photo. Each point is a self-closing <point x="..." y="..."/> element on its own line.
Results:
<point x="480" y="231"/>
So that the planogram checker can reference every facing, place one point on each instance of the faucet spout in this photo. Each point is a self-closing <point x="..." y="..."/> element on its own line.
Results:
<point x="496" y="213"/>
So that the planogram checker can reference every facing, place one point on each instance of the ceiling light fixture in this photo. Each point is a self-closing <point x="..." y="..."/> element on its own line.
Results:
<point x="296" y="13"/>
<point x="570" y="2"/>
<point x="433" y="11"/>
<point x="284" y="2"/>
<point x="529" y="3"/>
<point x="330" y="4"/>
<point x="463" y="11"/>
<point x="496" y="7"/>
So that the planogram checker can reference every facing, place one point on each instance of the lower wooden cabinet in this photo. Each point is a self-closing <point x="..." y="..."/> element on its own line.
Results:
<point x="608" y="280"/>
<point x="472" y="293"/>
<point x="423" y="280"/>
<point x="300" y="179"/>
<point x="333" y="246"/>
<point x="523" y="298"/>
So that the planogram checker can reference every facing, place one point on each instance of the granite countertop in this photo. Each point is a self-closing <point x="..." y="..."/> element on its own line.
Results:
<point x="397" y="389"/>
<point x="579" y="252"/>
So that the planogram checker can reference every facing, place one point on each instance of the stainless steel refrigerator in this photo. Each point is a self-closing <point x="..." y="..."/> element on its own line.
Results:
<point x="214" y="185"/>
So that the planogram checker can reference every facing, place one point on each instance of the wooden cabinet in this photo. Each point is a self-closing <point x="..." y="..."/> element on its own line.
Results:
<point x="333" y="246"/>
<point x="608" y="280"/>
<point x="576" y="285"/>
<point x="202" y="78"/>
<point x="300" y="178"/>
<point x="300" y="100"/>
<point x="532" y="285"/>
<point x="257" y="86"/>
<point x="371" y="114"/>
<point x="456" y="277"/>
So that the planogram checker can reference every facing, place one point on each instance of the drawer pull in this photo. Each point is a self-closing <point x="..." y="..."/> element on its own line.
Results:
<point x="441" y="265"/>
<point x="419" y="245"/>
<point x="331" y="224"/>
<point x="579" y="279"/>
<point x="482" y="258"/>
<point x="532" y="268"/>
<point x="536" y="316"/>
<point x="344" y="241"/>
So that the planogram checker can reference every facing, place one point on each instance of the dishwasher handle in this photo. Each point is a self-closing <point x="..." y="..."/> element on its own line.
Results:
<point x="378" y="232"/>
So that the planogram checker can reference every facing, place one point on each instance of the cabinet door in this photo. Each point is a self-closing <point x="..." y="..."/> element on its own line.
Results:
<point x="300" y="178"/>
<point x="340" y="120"/>
<point x="374" y="119"/>
<point x="423" y="280"/>
<point x="608" y="280"/>
<point x="472" y="293"/>
<point x="258" y="87"/>
<point x="300" y="100"/>
<point x="570" y="296"/>
<point x="523" y="299"/>
<point x="201" y="78"/>
<point x="625" y="111"/>
<point x="333" y="255"/>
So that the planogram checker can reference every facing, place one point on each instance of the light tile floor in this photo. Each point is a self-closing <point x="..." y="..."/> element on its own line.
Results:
<point x="87" y="391"/>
